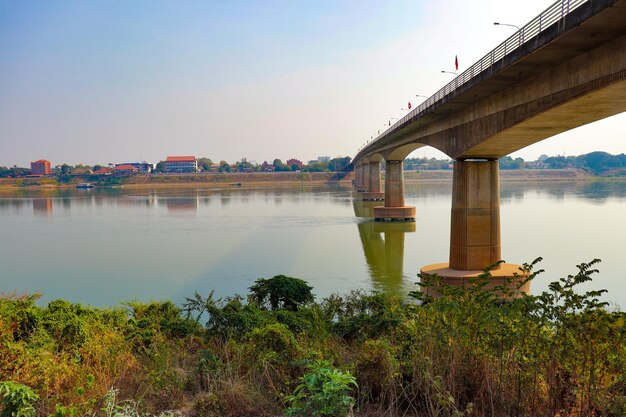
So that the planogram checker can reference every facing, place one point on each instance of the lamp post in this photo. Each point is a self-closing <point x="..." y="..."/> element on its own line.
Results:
<point x="521" y="33"/>
<point x="450" y="72"/>
<point x="506" y="24"/>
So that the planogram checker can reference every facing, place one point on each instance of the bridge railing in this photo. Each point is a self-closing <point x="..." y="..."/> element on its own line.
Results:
<point x="552" y="14"/>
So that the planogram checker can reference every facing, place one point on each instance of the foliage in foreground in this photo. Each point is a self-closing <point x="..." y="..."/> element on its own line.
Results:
<point x="465" y="353"/>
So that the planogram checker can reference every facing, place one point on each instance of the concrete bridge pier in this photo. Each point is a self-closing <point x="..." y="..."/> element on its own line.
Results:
<point x="475" y="227"/>
<point x="374" y="192"/>
<point x="363" y="177"/>
<point x="394" y="208"/>
<point x="355" y="181"/>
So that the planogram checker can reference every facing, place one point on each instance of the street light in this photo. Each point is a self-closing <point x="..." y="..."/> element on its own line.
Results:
<point x="521" y="34"/>
<point x="506" y="24"/>
<point x="449" y="72"/>
<point x="418" y="95"/>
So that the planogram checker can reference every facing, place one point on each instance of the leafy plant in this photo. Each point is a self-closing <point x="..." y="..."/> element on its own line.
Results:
<point x="324" y="391"/>
<point x="282" y="292"/>
<point x="17" y="400"/>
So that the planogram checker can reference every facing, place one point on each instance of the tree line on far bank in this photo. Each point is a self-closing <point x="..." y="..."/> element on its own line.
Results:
<point x="337" y="164"/>
<point x="593" y="162"/>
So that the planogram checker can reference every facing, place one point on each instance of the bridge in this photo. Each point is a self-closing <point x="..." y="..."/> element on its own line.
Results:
<point x="564" y="69"/>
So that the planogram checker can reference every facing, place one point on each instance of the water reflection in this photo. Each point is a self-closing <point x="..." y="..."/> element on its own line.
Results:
<point x="364" y="209"/>
<point x="383" y="247"/>
<point x="180" y="205"/>
<point x="42" y="206"/>
<point x="595" y="191"/>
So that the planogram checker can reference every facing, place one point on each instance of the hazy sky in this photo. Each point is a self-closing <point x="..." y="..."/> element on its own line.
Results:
<point x="116" y="81"/>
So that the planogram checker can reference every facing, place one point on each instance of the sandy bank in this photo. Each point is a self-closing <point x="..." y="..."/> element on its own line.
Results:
<point x="286" y="179"/>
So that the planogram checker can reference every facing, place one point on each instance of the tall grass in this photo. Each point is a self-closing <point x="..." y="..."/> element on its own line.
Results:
<point x="467" y="352"/>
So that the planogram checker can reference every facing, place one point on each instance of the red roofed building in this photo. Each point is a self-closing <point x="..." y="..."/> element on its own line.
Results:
<point x="125" y="170"/>
<point x="181" y="164"/>
<point x="41" y="167"/>
<point x="102" y="171"/>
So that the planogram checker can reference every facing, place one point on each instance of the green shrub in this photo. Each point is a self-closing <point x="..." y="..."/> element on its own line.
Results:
<point x="366" y="315"/>
<point x="281" y="292"/>
<point x="324" y="392"/>
<point x="17" y="400"/>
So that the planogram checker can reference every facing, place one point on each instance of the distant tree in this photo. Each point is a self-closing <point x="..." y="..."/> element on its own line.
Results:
<point x="224" y="166"/>
<point x="244" y="165"/>
<point x="205" y="164"/>
<point x="339" y="164"/>
<point x="556" y="162"/>
<point x="599" y="161"/>
<point x="65" y="169"/>
<point x="279" y="166"/>
<point x="509" y="163"/>
<point x="160" y="167"/>
<point x="315" y="167"/>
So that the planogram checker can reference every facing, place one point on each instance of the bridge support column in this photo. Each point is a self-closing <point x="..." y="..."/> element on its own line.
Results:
<point x="363" y="178"/>
<point x="394" y="208"/>
<point x="358" y="169"/>
<point x="373" y="189"/>
<point x="475" y="228"/>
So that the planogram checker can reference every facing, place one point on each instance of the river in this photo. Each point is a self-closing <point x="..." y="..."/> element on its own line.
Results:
<point x="103" y="247"/>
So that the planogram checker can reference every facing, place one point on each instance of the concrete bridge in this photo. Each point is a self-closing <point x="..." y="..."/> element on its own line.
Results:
<point x="564" y="69"/>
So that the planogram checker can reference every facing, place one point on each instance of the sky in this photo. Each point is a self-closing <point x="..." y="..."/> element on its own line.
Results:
<point x="111" y="81"/>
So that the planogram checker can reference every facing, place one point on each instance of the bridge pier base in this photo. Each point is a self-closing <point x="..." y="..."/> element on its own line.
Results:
<point x="373" y="192"/>
<point x="394" y="208"/>
<point x="475" y="229"/>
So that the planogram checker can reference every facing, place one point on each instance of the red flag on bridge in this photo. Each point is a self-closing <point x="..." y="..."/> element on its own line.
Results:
<point x="456" y="62"/>
<point x="409" y="105"/>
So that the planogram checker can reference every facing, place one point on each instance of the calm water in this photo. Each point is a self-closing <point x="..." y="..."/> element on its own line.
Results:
<point x="103" y="247"/>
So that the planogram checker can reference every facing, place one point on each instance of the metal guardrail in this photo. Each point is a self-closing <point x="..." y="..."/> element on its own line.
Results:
<point x="552" y="14"/>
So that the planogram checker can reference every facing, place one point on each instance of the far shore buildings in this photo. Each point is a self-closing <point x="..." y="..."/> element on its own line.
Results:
<point x="41" y="167"/>
<point x="125" y="169"/>
<point x="103" y="171"/>
<point x="142" y="167"/>
<point x="180" y="164"/>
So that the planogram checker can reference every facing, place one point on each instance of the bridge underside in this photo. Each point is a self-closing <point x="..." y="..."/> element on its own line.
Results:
<point x="586" y="89"/>
<point x="544" y="88"/>
<point x="569" y="75"/>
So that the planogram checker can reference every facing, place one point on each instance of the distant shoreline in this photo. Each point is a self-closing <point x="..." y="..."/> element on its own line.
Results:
<point x="265" y="179"/>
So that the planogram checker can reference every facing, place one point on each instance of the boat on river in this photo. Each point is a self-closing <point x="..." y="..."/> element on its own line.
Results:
<point x="85" y="185"/>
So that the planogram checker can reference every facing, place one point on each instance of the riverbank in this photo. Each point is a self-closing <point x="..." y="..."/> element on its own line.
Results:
<point x="568" y="174"/>
<point x="281" y="179"/>
<point x="465" y="353"/>
<point x="204" y="180"/>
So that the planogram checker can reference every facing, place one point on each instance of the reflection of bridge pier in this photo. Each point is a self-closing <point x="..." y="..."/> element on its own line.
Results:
<point x="383" y="247"/>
